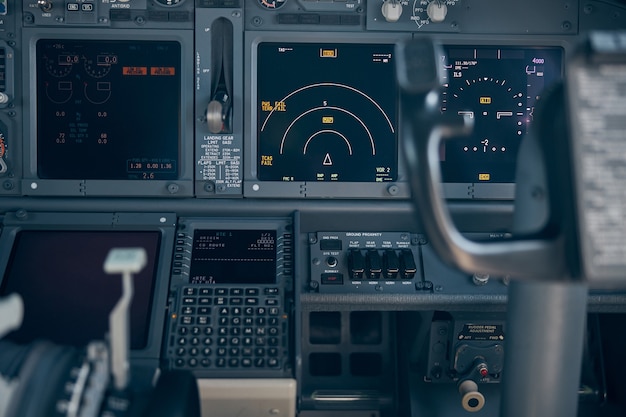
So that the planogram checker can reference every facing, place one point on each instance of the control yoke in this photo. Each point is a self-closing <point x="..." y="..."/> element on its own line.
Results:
<point x="583" y="184"/>
<point x="569" y="223"/>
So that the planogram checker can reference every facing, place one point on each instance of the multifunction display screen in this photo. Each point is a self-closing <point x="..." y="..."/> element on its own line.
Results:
<point x="67" y="295"/>
<point x="498" y="88"/>
<point x="326" y="112"/>
<point x="108" y="109"/>
<point x="233" y="257"/>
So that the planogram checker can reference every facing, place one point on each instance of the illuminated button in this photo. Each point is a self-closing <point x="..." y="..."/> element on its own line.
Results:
<point x="332" y="279"/>
<point x="87" y="7"/>
<point x="391" y="263"/>
<point x="356" y="264"/>
<point x="374" y="264"/>
<point x="72" y="7"/>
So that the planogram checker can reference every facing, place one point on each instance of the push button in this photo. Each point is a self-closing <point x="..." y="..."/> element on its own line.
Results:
<point x="332" y="279"/>
<point x="330" y="244"/>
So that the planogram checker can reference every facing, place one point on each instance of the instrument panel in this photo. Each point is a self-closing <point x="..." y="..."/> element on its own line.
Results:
<point x="257" y="147"/>
<point x="287" y="99"/>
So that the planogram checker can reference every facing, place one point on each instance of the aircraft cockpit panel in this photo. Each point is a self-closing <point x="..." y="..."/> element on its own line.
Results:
<point x="251" y="155"/>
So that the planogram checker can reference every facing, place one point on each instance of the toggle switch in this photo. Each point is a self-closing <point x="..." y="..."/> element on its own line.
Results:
<point x="356" y="264"/>
<point x="374" y="264"/>
<point x="408" y="269"/>
<point x="391" y="263"/>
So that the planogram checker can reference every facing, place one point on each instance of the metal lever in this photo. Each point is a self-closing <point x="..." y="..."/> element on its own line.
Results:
<point x="11" y="313"/>
<point x="125" y="262"/>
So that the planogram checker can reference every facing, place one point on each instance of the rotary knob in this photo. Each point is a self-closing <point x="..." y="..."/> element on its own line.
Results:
<point x="392" y="10"/>
<point x="437" y="11"/>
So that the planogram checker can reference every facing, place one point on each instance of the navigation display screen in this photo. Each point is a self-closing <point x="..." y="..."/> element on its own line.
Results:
<point x="233" y="257"/>
<point x="108" y="109"/>
<point x="498" y="88"/>
<point x="326" y="112"/>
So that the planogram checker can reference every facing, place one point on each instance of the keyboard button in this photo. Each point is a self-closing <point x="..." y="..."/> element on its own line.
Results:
<point x="206" y="291"/>
<point x="248" y="327"/>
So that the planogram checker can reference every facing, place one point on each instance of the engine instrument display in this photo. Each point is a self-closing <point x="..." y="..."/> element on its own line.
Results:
<point x="233" y="257"/>
<point x="326" y="112"/>
<point x="498" y="88"/>
<point x="108" y="109"/>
